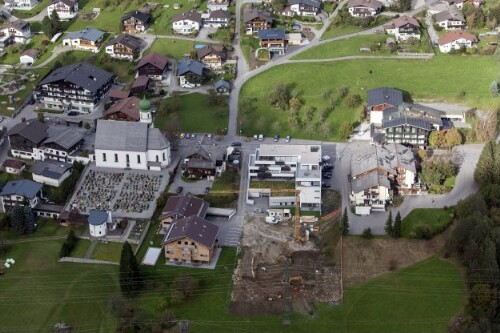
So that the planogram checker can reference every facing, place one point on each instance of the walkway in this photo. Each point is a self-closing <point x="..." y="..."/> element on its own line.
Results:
<point x="90" y="250"/>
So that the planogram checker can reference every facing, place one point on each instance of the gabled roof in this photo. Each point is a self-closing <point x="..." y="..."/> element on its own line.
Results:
<point x="65" y="139"/>
<point x="14" y="164"/>
<point x="189" y="66"/>
<point x="185" y="206"/>
<point x="23" y="187"/>
<point x="18" y="25"/>
<point x="253" y="13"/>
<point x="121" y="135"/>
<point x="386" y="159"/>
<point x="154" y="59"/>
<point x="127" y="40"/>
<point x="82" y="74"/>
<point x="209" y="49"/>
<point x="452" y="36"/>
<point x="97" y="217"/>
<point x="220" y="14"/>
<point x="120" y="94"/>
<point x="411" y="121"/>
<point x="50" y="168"/>
<point x="450" y="14"/>
<point x="374" y="4"/>
<point x="87" y="33"/>
<point x="272" y="34"/>
<point x="156" y="140"/>
<point x="222" y="84"/>
<point x="32" y="130"/>
<point x="414" y="111"/>
<point x="194" y="228"/>
<point x="310" y="3"/>
<point x="138" y="15"/>
<point x="403" y="20"/>
<point x="129" y="106"/>
<point x="384" y="95"/>
<point x="33" y="53"/>
<point x="140" y="82"/>
<point x="369" y="180"/>
<point x="190" y="15"/>
<point x="69" y="3"/>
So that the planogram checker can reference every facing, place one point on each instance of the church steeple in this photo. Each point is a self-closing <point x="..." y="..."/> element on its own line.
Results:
<point x="145" y="111"/>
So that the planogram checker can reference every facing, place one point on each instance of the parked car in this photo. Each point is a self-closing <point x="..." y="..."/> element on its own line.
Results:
<point x="207" y="189"/>
<point x="210" y="137"/>
<point x="261" y="137"/>
<point x="288" y="138"/>
<point x="236" y="144"/>
<point x="182" y="135"/>
<point x="256" y="137"/>
<point x="276" y="138"/>
<point x="179" y="190"/>
<point x="193" y="136"/>
<point x="325" y="185"/>
<point x="188" y="135"/>
<point x="327" y="175"/>
<point x="349" y="178"/>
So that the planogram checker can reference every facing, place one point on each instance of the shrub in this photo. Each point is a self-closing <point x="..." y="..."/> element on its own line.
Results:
<point x="423" y="231"/>
<point x="367" y="233"/>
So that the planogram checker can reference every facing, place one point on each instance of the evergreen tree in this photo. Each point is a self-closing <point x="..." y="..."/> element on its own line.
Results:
<point x="488" y="167"/>
<point x="397" y="226"/>
<point x="388" y="225"/>
<point x="345" y="223"/>
<point x="129" y="271"/>
<point x="29" y="220"/>
<point x="18" y="219"/>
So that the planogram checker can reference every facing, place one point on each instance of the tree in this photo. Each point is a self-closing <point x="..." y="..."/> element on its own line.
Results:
<point x="485" y="125"/>
<point x="129" y="271"/>
<point x="279" y="96"/>
<point x="325" y="129"/>
<point x="367" y="233"/>
<point x="353" y="100"/>
<point x="487" y="170"/>
<point x="388" y="225"/>
<point x="246" y="105"/>
<point x="29" y="220"/>
<point x="295" y="103"/>
<point x="18" y="219"/>
<point x="173" y="126"/>
<point x="47" y="27"/>
<point x="344" y="225"/>
<point x="345" y="130"/>
<point x="279" y="5"/>
<point x="310" y="113"/>
<point x="494" y="89"/>
<point x="4" y="246"/>
<point x="452" y="138"/>
<point x="397" y="226"/>
<point x="343" y="91"/>
<point x="436" y="171"/>
<point x="437" y="138"/>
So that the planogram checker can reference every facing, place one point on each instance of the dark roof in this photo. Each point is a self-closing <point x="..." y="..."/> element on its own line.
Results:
<point x="128" y="106"/>
<point x="222" y="84"/>
<point x="127" y="40"/>
<point x="194" y="228"/>
<point x="221" y="14"/>
<point x="185" y="206"/>
<point x="50" y="168"/>
<point x="411" y="121"/>
<point x="253" y="13"/>
<point x="23" y="187"/>
<point x="310" y="3"/>
<point x="189" y="65"/>
<point x="450" y="14"/>
<point x="32" y="130"/>
<point x="154" y="59"/>
<point x="15" y="164"/>
<point x="19" y="25"/>
<point x="384" y="95"/>
<point x="272" y="34"/>
<point x="138" y="15"/>
<point x="66" y="2"/>
<point x="65" y="139"/>
<point x="408" y="110"/>
<point x="119" y="94"/>
<point x="87" y="33"/>
<point x="190" y="15"/>
<point x="33" y="53"/>
<point x="403" y="20"/>
<point x="377" y="5"/>
<point x="82" y="74"/>
<point x="141" y="82"/>
<point x="209" y="49"/>
<point x="97" y="217"/>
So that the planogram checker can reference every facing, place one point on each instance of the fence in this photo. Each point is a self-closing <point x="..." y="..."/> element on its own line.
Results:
<point x="88" y="261"/>
<point x="415" y="54"/>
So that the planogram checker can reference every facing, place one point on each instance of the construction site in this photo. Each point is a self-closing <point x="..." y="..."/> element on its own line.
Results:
<point x="281" y="269"/>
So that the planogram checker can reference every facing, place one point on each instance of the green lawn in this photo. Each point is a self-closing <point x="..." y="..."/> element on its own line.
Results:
<point x="345" y="29"/>
<point x="173" y="48"/>
<point x="346" y="47"/>
<point x="45" y="228"/>
<point x="38" y="291"/>
<point x="432" y="80"/>
<point x="196" y="115"/>
<point x="163" y="16"/>
<point x="435" y="218"/>
<point x="108" y="252"/>
<point x="23" y="14"/>
<point x="82" y="245"/>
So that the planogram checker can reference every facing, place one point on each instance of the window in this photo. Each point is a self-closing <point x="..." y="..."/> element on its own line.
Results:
<point x="157" y="158"/>
<point x="185" y="243"/>
<point x="138" y="159"/>
<point x="104" y="157"/>
<point x="116" y="158"/>
<point x="128" y="158"/>
<point x="164" y="156"/>
<point x="179" y="242"/>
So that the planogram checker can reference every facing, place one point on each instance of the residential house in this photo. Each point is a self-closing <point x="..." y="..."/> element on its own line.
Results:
<point x="302" y="8"/>
<point x="65" y="9"/>
<point x="459" y="4"/>
<point x="187" y="23"/>
<point x="88" y="39"/>
<point x="78" y="87"/>
<point x="222" y="87"/>
<point x="126" y="109"/>
<point x="51" y="172"/>
<point x="136" y="22"/>
<point x="451" y="19"/>
<point x="134" y="145"/>
<point x="116" y="95"/>
<point x="190" y="73"/>
<point x="100" y="222"/>
<point x="62" y="144"/>
<point x="182" y="206"/>
<point x="26" y="139"/>
<point x="380" y="99"/>
<point x="404" y="28"/>
<point x="216" y="18"/>
<point x="214" y="5"/>
<point x="191" y="240"/>
<point x="212" y="57"/>
<point x="14" y="32"/>
<point x="29" y="56"/>
<point x="22" y="192"/>
<point x="456" y="40"/>
<point x="377" y="173"/>
<point x="140" y="86"/>
<point x="294" y="38"/>
<point x="124" y="46"/>
<point x="206" y="161"/>
<point x="256" y="19"/>
<point x="300" y="164"/>
<point x="21" y="4"/>
<point x="14" y="167"/>
<point x="153" y="65"/>
<point x="364" y="8"/>
<point x="273" y="39"/>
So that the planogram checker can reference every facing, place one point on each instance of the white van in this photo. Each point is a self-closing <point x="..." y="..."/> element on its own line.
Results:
<point x="261" y="137"/>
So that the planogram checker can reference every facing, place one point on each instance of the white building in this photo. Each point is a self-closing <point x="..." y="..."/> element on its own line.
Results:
<point x="123" y="144"/>
<point x="14" y="167"/>
<point x="51" y="172"/>
<point x="404" y="28"/>
<point x="15" y="32"/>
<point x="297" y="163"/>
<point x="187" y="23"/>
<point x="29" y="57"/>
<point x="21" y="192"/>
<point x="21" y="4"/>
<point x="217" y="5"/>
<point x="450" y="19"/>
<point x="88" y="39"/>
<point x="364" y="8"/>
<point x="303" y="7"/>
<point x="455" y="40"/>
<point x="100" y="222"/>
<point x="65" y="9"/>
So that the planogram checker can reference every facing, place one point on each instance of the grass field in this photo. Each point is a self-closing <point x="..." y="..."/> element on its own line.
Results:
<point x="430" y="80"/>
<point x="435" y="218"/>
<point x="163" y="16"/>
<point x="173" y="48"/>
<point x="196" y="115"/>
<point x="108" y="252"/>
<point x="82" y="245"/>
